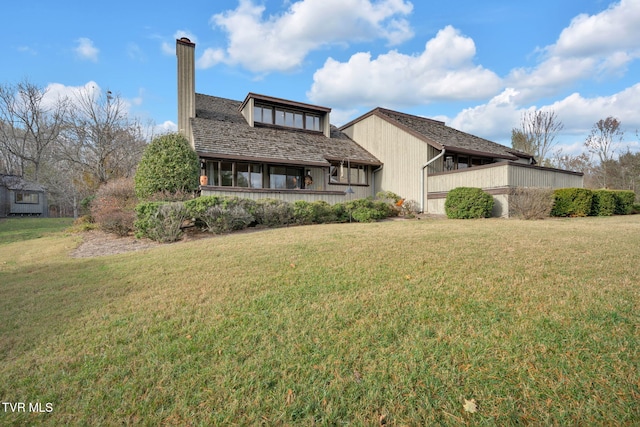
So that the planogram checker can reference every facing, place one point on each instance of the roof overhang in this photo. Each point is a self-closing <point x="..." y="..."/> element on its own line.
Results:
<point x="209" y="155"/>
<point x="285" y="103"/>
<point x="378" y="113"/>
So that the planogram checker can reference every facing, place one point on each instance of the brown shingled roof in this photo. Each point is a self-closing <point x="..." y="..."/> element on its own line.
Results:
<point x="440" y="136"/>
<point x="220" y="130"/>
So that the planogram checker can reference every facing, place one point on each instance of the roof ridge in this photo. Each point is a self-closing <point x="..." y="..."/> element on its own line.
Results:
<point x="386" y="110"/>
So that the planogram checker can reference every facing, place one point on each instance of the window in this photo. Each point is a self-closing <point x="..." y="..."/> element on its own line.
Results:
<point x="231" y="174"/>
<point x="463" y="162"/>
<point x="283" y="117"/>
<point x="281" y="177"/>
<point x="456" y="161"/>
<point x="312" y="122"/>
<point x="340" y="173"/>
<point x="27" y="197"/>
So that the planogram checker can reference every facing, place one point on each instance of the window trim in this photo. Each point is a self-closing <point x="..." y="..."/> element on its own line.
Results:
<point x="27" y="195"/>
<point x="286" y="117"/>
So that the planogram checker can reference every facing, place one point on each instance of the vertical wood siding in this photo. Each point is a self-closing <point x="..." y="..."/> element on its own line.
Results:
<point x="403" y="155"/>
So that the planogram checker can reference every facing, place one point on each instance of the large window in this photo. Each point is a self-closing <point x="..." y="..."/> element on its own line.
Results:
<point x="284" y="117"/>
<point x="232" y="174"/>
<point x="341" y="173"/>
<point x="281" y="177"/>
<point x="27" y="197"/>
<point x="222" y="173"/>
<point x="458" y="161"/>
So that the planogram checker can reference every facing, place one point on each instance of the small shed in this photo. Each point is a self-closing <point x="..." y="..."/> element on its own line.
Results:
<point x="19" y="197"/>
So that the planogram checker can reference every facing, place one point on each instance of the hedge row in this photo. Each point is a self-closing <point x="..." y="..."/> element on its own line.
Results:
<point x="163" y="221"/>
<point x="584" y="202"/>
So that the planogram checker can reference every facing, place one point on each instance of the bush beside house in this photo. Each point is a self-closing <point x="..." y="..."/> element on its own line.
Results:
<point x="168" y="164"/>
<point x="576" y="202"/>
<point x="163" y="221"/>
<point x="467" y="203"/>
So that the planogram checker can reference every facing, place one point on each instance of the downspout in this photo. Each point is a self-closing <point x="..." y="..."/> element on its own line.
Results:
<point x="373" y="178"/>
<point x="422" y="177"/>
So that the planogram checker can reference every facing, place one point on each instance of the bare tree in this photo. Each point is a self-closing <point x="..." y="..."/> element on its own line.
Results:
<point x="537" y="133"/>
<point x="29" y="125"/>
<point x="603" y="141"/>
<point x="100" y="141"/>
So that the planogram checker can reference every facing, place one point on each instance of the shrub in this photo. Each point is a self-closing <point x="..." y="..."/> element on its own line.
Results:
<point x="273" y="212"/>
<point x="318" y="212"/>
<point x="624" y="200"/>
<point x="468" y="202"/>
<point x="603" y="203"/>
<point x="367" y="210"/>
<point x="530" y="203"/>
<point x="221" y="214"/>
<point x="160" y="221"/>
<point x="223" y="219"/>
<point x="198" y="206"/>
<point x="113" y="208"/>
<point x="409" y="208"/>
<point x="168" y="164"/>
<point x="635" y="209"/>
<point x="572" y="202"/>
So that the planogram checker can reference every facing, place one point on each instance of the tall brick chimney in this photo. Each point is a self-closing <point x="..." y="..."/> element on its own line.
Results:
<point x="185" y="51"/>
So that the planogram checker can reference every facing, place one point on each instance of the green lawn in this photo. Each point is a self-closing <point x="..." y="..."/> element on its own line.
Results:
<point x="331" y="324"/>
<point x="16" y="229"/>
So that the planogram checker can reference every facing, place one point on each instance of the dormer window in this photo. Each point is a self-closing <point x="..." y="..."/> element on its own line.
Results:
<point x="274" y="115"/>
<point x="262" y="110"/>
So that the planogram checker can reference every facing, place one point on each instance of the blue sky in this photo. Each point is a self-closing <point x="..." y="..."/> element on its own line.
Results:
<point x="476" y="65"/>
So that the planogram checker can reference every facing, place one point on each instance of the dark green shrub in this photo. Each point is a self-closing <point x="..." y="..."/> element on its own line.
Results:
<point x="368" y="210"/>
<point x="318" y="212"/>
<point x="624" y="200"/>
<point x="603" y="203"/>
<point x="468" y="202"/>
<point x="145" y="212"/>
<point x="273" y="212"/>
<point x="167" y="165"/>
<point x="572" y="202"/>
<point x="635" y="209"/>
<point x="340" y="212"/>
<point x="198" y="206"/>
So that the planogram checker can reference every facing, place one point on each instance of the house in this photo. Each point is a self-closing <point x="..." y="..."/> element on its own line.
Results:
<point x="424" y="159"/>
<point x="19" y="197"/>
<point x="268" y="147"/>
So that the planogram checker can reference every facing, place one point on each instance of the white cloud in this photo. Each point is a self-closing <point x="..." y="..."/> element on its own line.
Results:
<point x="281" y="42"/>
<point x="591" y="46"/>
<point x="495" y="119"/>
<point x="86" y="50"/>
<point x="210" y="57"/>
<point x="443" y="71"/>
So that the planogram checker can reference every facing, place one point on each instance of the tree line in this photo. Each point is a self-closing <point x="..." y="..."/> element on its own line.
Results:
<point x="603" y="165"/>
<point x="71" y="145"/>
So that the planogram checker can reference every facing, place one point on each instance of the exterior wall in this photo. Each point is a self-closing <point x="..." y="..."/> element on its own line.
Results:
<point x="4" y="201"/>
<point x="403" y="155"/>
<point x="497" y="179"/>
<point x="330" y="197"/>
<point x="39" y="208"/>
<point x="320" y="190"/>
